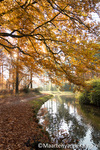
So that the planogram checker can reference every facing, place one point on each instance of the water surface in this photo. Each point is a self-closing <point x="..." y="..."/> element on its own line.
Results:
<point x="71" y="124"/>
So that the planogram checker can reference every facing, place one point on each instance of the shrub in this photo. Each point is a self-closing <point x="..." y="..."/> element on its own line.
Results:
<point x="36" y="90"/>
<point x="26" y="89"/>
<point x="84" y="98"/>
<point x="92" y="96"/>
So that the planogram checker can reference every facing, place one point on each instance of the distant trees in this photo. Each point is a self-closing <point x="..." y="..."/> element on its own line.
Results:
<point x="15" y="73"/>
<point x="67" y="87"/>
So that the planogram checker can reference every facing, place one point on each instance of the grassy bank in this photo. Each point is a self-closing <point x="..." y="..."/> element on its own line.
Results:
<point x="38" y="102"/>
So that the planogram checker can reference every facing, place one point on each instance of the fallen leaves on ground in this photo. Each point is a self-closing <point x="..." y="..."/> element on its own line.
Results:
<point x="18" y="124"/>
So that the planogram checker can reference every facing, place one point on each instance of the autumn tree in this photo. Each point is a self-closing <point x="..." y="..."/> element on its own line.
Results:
<point x="58" y="36"/>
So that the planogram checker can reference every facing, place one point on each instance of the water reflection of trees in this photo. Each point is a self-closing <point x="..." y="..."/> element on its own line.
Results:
<point x="76" y="129"/>
<point x="92" y="116"/>
<point x="57" y="112"/>
<point x="96" y="137"/>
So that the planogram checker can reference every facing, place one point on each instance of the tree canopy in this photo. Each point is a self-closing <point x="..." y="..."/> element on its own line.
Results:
<point x="56" y="36"/>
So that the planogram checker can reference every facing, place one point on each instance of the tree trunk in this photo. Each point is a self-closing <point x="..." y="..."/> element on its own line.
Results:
<point x="31" y="80"/>
<point x="2" y="77"/>
<point x="17" y="74"/>
<point x="17" y="81"/>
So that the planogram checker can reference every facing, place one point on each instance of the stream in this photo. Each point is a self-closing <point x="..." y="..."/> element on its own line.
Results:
<point x="69" y="123"/>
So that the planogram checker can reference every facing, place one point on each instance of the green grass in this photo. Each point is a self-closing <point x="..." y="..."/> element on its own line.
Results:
<point x="38" y="102"/>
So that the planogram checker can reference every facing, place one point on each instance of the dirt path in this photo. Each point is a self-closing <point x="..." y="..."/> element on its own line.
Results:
<point x="30" y="98"/>
<point x="15" y="99"/>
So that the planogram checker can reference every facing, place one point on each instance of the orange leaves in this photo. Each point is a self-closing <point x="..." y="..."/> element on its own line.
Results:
<point x="55" y="36"/>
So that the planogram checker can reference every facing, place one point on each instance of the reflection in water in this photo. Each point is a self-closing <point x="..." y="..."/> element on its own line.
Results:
<point x="68" y="124"/>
